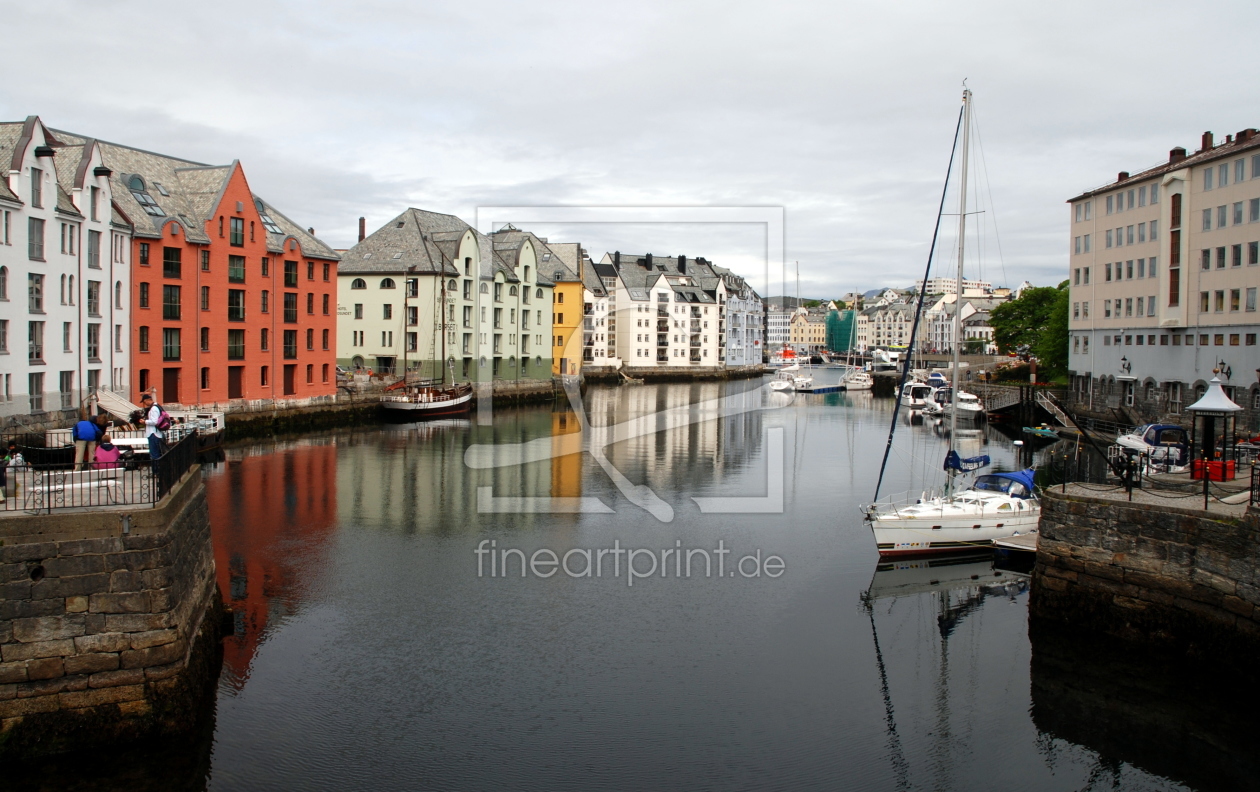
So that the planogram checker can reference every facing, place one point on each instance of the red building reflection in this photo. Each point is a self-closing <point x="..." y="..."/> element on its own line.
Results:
<point x="272" y="511"/>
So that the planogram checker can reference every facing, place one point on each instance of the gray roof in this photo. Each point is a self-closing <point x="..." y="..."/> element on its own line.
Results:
<point x="640" y="274"/>
<point x="184" y="190"/>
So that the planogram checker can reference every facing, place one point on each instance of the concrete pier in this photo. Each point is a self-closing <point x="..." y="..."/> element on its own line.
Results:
<point x="108" y="623"/>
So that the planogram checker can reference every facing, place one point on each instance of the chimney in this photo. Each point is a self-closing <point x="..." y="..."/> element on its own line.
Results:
<point x="311" y="231"/>
<point x="647" y="261"/>
<point x="1176" y="155"/>
<point x="1229" y="139"/>
<point x="362" y="228"/>
<point x="1207" y="141"/>
<point x="1245" y="135"/>
<point x="1123" y="175"/>
<point x="617" y="260"/>
<point x="682" y="263"/>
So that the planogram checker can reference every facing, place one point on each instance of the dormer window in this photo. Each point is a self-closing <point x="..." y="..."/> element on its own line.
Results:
<point x="161" y="189"/>
<point x="141" y="193"/>
<point x="267" y="222"/>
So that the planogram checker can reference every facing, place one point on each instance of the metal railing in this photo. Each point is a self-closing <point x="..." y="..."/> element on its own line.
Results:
<point x="1255" y="486"/>
<point x="40" y="480"/>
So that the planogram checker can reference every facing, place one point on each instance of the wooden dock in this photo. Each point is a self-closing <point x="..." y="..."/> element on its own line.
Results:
<point x="1026" y="543"/>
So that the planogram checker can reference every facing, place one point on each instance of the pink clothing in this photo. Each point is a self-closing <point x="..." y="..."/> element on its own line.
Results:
<point x="106" y="457"/>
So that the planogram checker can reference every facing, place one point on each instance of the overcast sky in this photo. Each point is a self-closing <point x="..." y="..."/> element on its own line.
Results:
<point x="842" y="113"/>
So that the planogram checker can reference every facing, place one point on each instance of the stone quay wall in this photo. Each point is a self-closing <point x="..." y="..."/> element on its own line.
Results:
<point x="611" y="374"/>
<point x="108" y="622"/>
<point x="1179" y="578"/>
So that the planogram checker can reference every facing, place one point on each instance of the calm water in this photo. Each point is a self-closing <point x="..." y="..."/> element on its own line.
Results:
<point x="369" y="653"/>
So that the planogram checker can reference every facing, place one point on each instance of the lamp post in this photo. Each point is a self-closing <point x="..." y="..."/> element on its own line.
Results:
<point x="1213" y="462"/>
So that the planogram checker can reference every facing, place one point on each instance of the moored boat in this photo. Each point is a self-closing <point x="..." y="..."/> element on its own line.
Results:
<point x="428" y="399"/>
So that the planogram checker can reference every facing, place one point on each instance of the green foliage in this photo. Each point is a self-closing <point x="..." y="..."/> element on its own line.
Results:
<point x="1036" y="323"/>
<point x="1051" y="348"/>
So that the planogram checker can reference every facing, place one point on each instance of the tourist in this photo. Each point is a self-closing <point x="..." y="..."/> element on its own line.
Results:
<point x="106" y="454"/>
<point x="86" y="433"/>
<point x="152" y="418"/>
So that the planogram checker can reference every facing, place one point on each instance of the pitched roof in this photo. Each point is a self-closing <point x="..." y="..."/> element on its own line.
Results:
<point x="1245" y="141"/>
<point x="640" y="274"/>
<point x="427" y="241"/>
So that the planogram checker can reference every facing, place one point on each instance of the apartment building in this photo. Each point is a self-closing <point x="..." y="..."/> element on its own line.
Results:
<point x="65" y="254"/>
<point x="564" y="263"/>
<point x="741" y="319"/>
<point x="429" y="294"/>
<point x="229" y="299"/>
<point x="1164" y="270"/>
<point x="950" y="285"/>
<point x="778" y="328"/>
<point x="808" y="331"/>
<point x="668" y="311"/>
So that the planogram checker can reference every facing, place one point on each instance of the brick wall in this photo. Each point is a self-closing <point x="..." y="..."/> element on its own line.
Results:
<point x="98" y="626"/>
<point x="1169" y="576"/>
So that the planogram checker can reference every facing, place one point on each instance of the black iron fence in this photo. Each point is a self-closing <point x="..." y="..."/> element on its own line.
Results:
<point x="35" y="478"/>
<point x="1255" y="486"/>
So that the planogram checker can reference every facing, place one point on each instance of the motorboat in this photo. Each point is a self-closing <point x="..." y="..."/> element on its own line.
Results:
<point x="967" y="405"/>
<point x="916" y="395"/>
<point x="785" y="378"/>
<point x="857" y="379"/>
<point x="996" y="506"/>
<point x="1164" y="445"/>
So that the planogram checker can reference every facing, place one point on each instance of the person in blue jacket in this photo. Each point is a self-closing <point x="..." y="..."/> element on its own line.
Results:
<point x="86" y="435"/>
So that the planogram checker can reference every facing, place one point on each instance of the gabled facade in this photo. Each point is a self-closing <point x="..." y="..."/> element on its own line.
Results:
<point x="232" y="301"/>
<point x="65" y="253"/>
<point x="427" y="293"/>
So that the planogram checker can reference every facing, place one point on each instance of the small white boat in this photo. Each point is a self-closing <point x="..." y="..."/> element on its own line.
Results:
<point x="858" y="379"/>
<point x="916" y="395"/>
<point x="785" y="378"/>
<point x="1165" y="445"/>
<point x="968" y="405"/>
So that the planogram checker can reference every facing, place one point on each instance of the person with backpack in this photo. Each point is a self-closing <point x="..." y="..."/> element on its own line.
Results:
<point x="156" y="422"/>
<point x="86" y="434"/>
<point x="107" y="454"/>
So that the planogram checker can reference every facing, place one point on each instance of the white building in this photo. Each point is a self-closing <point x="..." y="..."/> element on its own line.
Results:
<point x="65" y="253"/>
<point x="742" y="319"/>
<point x="950" y="285"/>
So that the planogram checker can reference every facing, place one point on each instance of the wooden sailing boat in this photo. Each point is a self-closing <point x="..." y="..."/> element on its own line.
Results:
<point x="425" y="399"/>
<point x="997" y="505"/>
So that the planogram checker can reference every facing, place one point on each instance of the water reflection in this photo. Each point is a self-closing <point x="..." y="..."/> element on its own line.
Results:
<point x="1182" y="720"/>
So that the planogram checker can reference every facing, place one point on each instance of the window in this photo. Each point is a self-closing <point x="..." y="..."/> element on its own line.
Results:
<point x="1222" y="174"/>
<point x="265" y="270"/>
<point x="387" y="311"/>
<point x="1222" y="213"/>
<point x="1205" y="302"/>
<point x="498" y="292"/>
<point x="236" y="232"/>
<point x="1128" y="269"/>
<point x="144" y="339"/>
<point x="35" y="292"/>
<point x="171" y="263"/>
<point x="264" y="303"/>
<point x="236" y="305"/>
<point x="1108" y="242"/>
<point x="327" y="270"/>
<point x="170" y="343"/>
<point x="388" y="283"/>
<point x="1128" y="235"/>
<point x="262" y="376"/>
<point x="358" y="310"/>
<point x="310" y="270"/>
<point x="1207" y="178"/>
<point x="1236" y="257"/>
<point x="1207" y="219"/>
<point x="94" y="298"/>
<point x="1235" y="299"/>
<point x="310" y="304"/>
<point x="94" y="249"/>
<point x="205" y="339"/>
<point x="36" y="389"/>
<point x="310" y="338"/>
<point x="291" y="273"/>
<point x="4" y="335"/>
<point x="35" y="239"/>
<point x="1150" y="306"/>
<point x="1110" y="207"/>
<point x="205" y="298"/>
<point x="324" y="338"/>
<point x="1076" y="277"/>
<point x="310" y="373"/>
<point x="264" y="339"/>
<point x="170" y="302"/>
<point x="290" y="344"/>
<point x="1220" y="258"/>
<point x="1107" y="272"/>
<point x="37" y="188"/>
<point x="325" y="305"/>
<point x="1238" y="213"/>
<point x="358" y="283"/>
<point x="1205" y="260"/>
<point x="118" y="295"/>
<point x="1154" y="226"/>
<point x="1220" y="301"/>
<point x="1086" y="236"/>
<point x="67" y="336"/>
<point x="1251" y="298"/>
<point x="290" y="307"/>
<point x="236" y="269"/>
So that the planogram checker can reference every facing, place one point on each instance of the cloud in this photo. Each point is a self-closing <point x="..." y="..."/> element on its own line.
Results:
<point x="840" y="113"/>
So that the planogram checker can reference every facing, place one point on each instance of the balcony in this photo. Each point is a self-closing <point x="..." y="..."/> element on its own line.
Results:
<point x="662" y="356"/>
<point x="662" y="310"/>
<point x="662" y="341"/>
<point x="695" y="312"/>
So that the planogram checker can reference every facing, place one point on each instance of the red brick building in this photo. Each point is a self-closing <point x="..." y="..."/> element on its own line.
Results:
<point x="231" y="300"/>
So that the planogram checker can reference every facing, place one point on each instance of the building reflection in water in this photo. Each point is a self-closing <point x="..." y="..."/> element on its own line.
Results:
<point x="274" y="508"/>
<point x="1187" y="721"/>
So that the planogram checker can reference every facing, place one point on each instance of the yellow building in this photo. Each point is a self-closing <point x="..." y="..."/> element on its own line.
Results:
<point x="808" y="332"/>
<point x="563" y="262"/>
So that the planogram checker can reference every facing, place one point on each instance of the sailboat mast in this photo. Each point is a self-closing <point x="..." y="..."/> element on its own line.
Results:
<point x="958" y="287"/>
<point x="442" y="361"/>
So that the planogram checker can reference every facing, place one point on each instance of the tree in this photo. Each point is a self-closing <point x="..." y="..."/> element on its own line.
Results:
<point x="1051" y="348"/>
<point x="1028" y="323"/>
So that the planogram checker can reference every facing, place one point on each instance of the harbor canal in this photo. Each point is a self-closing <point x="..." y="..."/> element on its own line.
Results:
<point x="369" y="652"/>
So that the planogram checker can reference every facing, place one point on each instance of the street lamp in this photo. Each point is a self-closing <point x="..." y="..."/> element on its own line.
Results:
<point x="1125" y="365"/>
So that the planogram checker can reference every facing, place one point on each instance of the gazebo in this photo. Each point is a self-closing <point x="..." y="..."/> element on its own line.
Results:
<point x="1212" y="449"/>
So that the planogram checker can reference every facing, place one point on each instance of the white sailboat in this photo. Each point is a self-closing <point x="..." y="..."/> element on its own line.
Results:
<point x="855" y="378"/>
<point x="996" y="505"/>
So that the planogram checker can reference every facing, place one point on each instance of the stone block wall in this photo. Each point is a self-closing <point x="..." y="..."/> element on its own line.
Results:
<point x="101" y="618"/>
<point x="1179" y="578"/>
